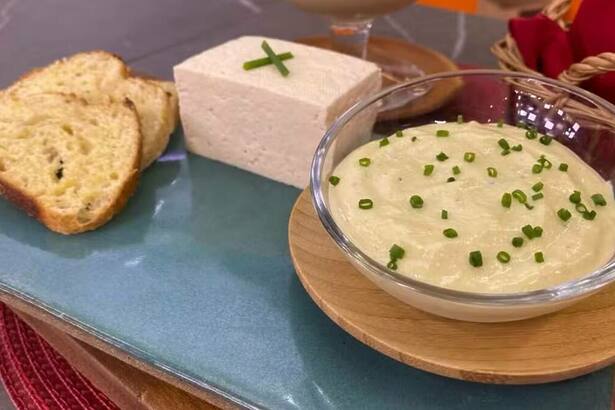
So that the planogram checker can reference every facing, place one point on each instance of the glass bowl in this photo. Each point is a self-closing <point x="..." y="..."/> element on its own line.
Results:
<point x="578" y="119"/>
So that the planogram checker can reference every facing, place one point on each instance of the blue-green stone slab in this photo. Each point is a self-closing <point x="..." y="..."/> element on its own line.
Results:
<point x="194" y="276"/>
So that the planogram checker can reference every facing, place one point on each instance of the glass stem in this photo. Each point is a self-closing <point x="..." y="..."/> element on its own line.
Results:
<point x="350" y="37"/>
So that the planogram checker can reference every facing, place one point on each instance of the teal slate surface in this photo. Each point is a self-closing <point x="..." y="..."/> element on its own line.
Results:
<point x="195" y="277"/>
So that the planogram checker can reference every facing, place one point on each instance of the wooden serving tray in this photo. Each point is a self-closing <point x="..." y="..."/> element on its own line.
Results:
<point x="570" y="343"/>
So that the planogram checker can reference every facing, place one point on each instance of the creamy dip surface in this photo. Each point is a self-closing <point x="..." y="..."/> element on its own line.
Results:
<point x="473" y="203"/>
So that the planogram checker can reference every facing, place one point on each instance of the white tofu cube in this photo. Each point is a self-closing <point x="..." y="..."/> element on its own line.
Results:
<point x="259" y="120"/>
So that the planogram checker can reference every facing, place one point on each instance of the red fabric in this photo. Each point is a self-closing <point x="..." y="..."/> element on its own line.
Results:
<point x="36" y="377"/>
<point x="547" y="48"/>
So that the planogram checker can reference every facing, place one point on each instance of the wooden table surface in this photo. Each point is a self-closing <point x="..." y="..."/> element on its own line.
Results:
<point x="154" y="35"/>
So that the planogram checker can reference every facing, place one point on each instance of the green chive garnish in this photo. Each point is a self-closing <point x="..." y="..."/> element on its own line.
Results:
<point x="450" y="233"/>
<point x="564" y="214"/>
<point x="537" y="168"/>
<point x="537" y="196"/>
<point x="505" y="152"/>
<point x="476" y="259"/>
<point x="333" y="180"/>
<point x="503" y="144"/>
<point x="416" y="201"/>
<point x="450" y="179"/>
<point x="441" y="156"/>
<point x="366" y="203"/>
<point x="517" y="242"/>
<point x="492" y="172"/>
<point x="537" y="186"/>
<point x="519" y="196"/>
<point x="503" y="257"/>
<point x="545" y="140"/>
<point x="581" y="208"/>
<point x="384" y="142"/>
<point x="598" y="199"/>
<point x="456" y="170"/>
<point x="575" y="197"/>
<point x="413" y="139"/>
<point x="469" y="157"/>
<point x="517" y="148"/>
<point x="275" y="59"/>
<point x="528" y="231"/>
<point x="528" y="206"/>
<point x="399" y="133"/>
<point x="428" y="170"/>
<point x="531" y="134"/>
<point x="396" y="252"/>
<point x="563" y="167"/>
<point x="544" y="162"/>
<point x="539" y="257"/>
<point x="537" y="232"/>
<point x="589" y="215"/>
<point x="392" y="265"/>
<point x="459" y="119"/>
<point x="261" y="62"/>
<point x="365" y="162"/>
<point x="442" y="133"/>
<point x="500" y="123"/>
<point x="444" y="214"/>
<point x="506" y="200"/>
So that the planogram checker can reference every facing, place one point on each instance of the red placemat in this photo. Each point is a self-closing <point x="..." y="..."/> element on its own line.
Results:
<point x="36" y="377"/>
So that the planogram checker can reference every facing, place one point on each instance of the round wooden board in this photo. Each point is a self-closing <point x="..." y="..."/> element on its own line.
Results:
<point x="559" y="346"/>
<point x="428" y="60"/>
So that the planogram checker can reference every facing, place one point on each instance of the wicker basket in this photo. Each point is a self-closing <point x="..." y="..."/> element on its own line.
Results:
<point x="510" y="58"/>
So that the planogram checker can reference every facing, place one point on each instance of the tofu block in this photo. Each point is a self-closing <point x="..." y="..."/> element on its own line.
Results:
<point x="259" y="120"/>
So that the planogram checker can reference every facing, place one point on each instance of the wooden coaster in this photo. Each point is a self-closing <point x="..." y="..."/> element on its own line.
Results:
<point x="570" y="343"/>
<point x="428" y="60"/>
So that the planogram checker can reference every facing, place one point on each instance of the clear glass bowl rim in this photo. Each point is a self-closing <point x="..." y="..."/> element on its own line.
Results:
<point x="562" y="292"/>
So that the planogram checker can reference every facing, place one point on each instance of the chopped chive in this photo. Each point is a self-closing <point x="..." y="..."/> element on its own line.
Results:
<point x="413" y="139"/>
<point x="500" y="123"/>
<point x="528" y="231"/>
<point x="444" y="214"/>
<point x="450" y="179"/>
<point x="598" y="199"/>
<point x="384" y="142"/>
<point x="441" y="156"/>
<point x="396" y="252"/>
<point x="505" y="152"/>
<point x="469" y="157"/>
<point x="459" y="119"/>
<point x="581" y="208"/>
<point x="456" y="170"/>
<point x="399" y="133"/>
<point x="476" y="259"/>
<point x="537" y="232"/>
<point x="428" y="170"/>
<point x="492" y="172"/>
<point x="537" y="186"/>
<point x="564" y="214"/>
<point x="506" y="200"/>
<point x="575" y="197"/>
<point x="503" y="144"/>
<point x="539" y="257"/>
<point x="442" y="133"/>
<point x="537" y="196"/>
<point x="528" y="206"/>
<point x="450" y="233"/>
<point x="531" y="134"/>
<point x="563" y="167"/>
<point x="519" y="196"/>
<point x="333" y="180"/>
<point x="589" y="215"/>
<point x="392" y="265"/>
<point x="366" y="203"/>
<point x="544" y="162"/>
<point x="365" y="162"/>
<point x="416" y="201"/>
<point x="517" y="148"/>
<point x="275" y="59"/>
<point x="517" y="241"/>
<point x="261" y="62"/>
<point x="503" y="257"/>
<point x="545" y="140"/>
<point x="537" y="168"/>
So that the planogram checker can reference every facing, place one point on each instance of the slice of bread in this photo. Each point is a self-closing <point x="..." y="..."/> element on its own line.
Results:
<point x="70" y="164"/>
<point x="169" y="87"/>
<point x="100" y="77"/>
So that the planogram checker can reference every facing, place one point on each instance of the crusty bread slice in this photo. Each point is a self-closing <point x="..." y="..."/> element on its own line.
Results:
<point x="169" y="87"/>
<point x="70" y="164"/>
<point x="99" y="77"/>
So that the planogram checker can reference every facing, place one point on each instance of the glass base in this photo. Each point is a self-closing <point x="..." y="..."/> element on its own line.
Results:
<point x="394" y="73"/>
